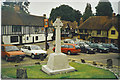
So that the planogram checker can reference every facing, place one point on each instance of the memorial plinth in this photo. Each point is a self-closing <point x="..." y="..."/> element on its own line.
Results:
<point x="57" y="62"/>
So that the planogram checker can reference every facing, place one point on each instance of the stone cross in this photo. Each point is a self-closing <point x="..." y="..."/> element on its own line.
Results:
<point x="58" y="24"/>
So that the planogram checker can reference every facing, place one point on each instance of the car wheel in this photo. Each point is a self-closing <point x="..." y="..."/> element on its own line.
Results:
<point x="6" y="58"/>
<point x="87" y="52"/>
<point x="100" y="51"/>
<point x="32" y="56"/>
<point x="21" y="59"/>
<point x="54" y="50"/>
<point x="69" y="52"/>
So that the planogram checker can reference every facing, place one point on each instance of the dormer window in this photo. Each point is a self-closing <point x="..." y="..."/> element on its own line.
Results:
<point x="112" y="32"/>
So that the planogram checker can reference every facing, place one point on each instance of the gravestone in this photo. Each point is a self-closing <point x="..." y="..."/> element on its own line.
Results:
<point x="57" y="62"/>
<point x="21" y="73"/>
<point x="109" y="63"/>
<point x="94" y="63"/>
<point x="82" y="60"/>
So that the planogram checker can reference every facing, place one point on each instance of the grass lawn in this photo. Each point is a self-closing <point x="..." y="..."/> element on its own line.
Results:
<point x="84" y="71"/>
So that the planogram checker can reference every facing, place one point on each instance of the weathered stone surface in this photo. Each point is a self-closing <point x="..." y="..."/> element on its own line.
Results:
<point x="82" y="60"/>
<point x="57" y="63"/>
<point x="94" y="63"/>
<point x="21" y="73"/>
<point x="109" y="63"/>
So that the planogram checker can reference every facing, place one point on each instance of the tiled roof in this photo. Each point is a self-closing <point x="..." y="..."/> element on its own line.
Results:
<point x="10" y="17"/>
<point x="70" y="24"/>
<point x="99" y="23"/>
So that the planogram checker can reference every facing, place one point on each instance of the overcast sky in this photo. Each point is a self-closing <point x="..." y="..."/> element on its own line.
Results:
<point x="40" y="7"/>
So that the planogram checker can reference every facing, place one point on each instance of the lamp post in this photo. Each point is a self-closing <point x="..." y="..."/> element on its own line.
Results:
<point x="46" y="33"/>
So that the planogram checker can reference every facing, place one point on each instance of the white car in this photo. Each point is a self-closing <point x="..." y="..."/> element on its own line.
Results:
<point x="69" y="41"/>
<point x="34" y="51"/>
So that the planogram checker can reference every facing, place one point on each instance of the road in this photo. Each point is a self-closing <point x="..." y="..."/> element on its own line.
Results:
<point x="98" y="57"/>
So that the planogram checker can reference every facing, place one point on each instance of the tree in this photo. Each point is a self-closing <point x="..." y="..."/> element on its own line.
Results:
<point x="66" y="13"/>
<point x="104" y="8"/>
<point x="88" y="12"/>
<point x="23" y="5"/>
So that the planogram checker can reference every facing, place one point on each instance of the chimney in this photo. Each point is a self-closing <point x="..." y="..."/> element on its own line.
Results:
<point x="81" y="20"/>
<point x="44" y="15"/>
<point x="114" y="14"/>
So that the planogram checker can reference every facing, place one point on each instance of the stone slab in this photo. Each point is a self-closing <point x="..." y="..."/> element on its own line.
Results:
<point x="49" y="71"/>
<point x="57" y="63"/>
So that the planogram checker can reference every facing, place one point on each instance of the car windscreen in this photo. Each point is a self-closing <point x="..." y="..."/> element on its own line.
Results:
<point x="35" y="48"/>
<point x="112" y="45"/>
<point x="11" y="48"/>
<point x="77" y="47"/>
<point x="92" y="45"/>
<point x="100" y="46"/>
<point x="86" y="45"/>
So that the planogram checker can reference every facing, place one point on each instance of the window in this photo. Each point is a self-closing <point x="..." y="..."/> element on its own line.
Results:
<point x="26" y="47"/>
<point x="112" y="31"/>
<point x="85" y="31"/>
<point x="70" y="46"/>
<point x="11" y="48"/>
<point x="81" y="31"/>
<point x="16" y="28"/>
<point x="98" y="32"/>
<point x="36" y="37"/>
<point x="23" y="47"/>
<point x="62" y="46"/>
<point x="14" y="39"/>
<point x="66" y="46"/>
<point x="36" y="29"/>
<point x="27" y="38"/>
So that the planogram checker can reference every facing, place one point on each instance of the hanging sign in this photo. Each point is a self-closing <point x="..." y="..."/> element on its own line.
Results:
<point x="45" y="22"/>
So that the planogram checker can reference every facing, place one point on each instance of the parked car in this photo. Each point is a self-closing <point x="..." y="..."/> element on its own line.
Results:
<point x="69" y="41"/>
<point x="112" y="47"/>
<point x="34" y="51"/>
<point x="11" y="52"/>
<point x="80" y="43"/>
<point x="87" y="49"/>
<point x="99" y="48"/>
<point x="69" y="49"/>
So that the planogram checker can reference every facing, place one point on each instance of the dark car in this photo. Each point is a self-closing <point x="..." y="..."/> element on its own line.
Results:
<point x="99" y="48"/>
<point x="112" y="47"/>
<point x="87" y="49"/>
<point x="80" y="43"/>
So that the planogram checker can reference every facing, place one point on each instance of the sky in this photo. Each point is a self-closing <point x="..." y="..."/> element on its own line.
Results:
<point x="40" y="7"/>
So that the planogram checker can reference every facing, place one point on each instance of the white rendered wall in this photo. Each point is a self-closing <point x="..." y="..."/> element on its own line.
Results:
<point x="41" y="37"/>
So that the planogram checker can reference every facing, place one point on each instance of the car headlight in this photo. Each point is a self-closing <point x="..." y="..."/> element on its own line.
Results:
<point x="35" y="53"/>
<point x="91" y="49"/>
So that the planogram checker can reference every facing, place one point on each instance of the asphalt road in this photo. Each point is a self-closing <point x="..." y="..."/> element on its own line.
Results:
<point x="98" y="57"/>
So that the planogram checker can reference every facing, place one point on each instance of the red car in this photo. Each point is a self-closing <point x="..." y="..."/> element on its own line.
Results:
<point x="11" y="52"/>
<point x="69" y="48"/>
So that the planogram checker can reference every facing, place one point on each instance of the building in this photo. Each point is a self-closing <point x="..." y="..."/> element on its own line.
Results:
<point x="99" y="29"/>
<point x="69" y="28"/>
<point x="21" y="28"/>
